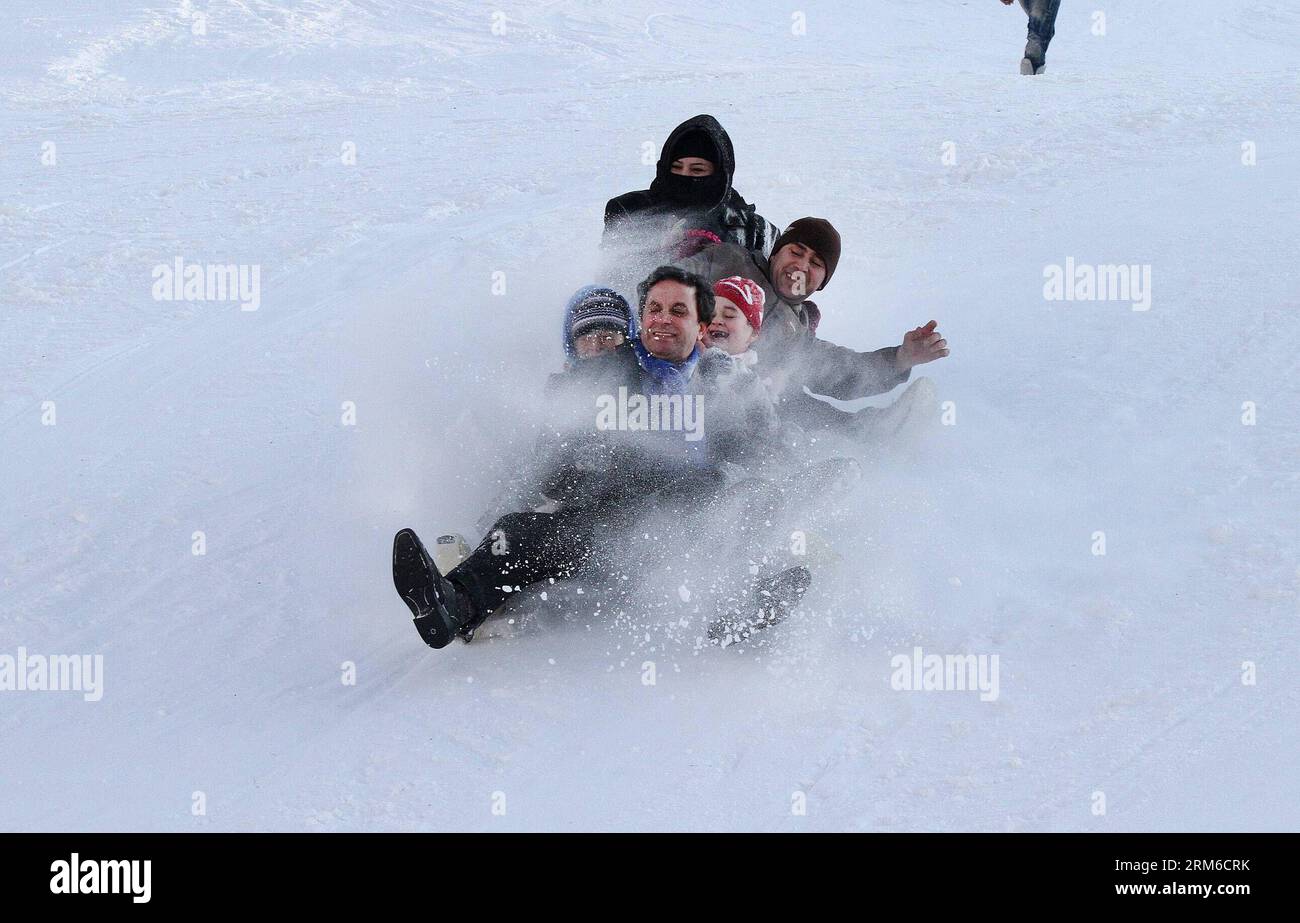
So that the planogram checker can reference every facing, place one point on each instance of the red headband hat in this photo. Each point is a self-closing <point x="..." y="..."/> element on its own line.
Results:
<point x="746" y="294"/>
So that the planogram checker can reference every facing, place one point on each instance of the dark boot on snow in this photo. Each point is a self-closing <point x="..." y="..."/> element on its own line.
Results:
<point x="441" y="609"/>
<point x="774" y="597"/>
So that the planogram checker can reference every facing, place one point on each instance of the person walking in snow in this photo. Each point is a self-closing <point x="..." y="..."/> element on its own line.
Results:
<point x="691" y="199"/>
<point x="1042" y="26"/>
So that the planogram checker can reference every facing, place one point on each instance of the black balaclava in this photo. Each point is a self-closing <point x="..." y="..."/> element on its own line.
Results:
<point x="703" y="191"/>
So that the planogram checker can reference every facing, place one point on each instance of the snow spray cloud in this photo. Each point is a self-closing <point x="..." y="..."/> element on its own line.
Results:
<point x="181" y="281"/>
<point x="1086" y="282"/>
<point x="54" y="673"/>
<point x="921" y="672"/>
<point x="632" y="250"/>
<point x="655" y="412"/>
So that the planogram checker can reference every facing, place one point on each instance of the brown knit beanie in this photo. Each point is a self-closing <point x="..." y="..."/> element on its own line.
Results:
<point x="818" y="234"/>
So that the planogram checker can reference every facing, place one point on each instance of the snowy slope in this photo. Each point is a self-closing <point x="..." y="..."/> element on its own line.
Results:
<point x="479" y="153"/>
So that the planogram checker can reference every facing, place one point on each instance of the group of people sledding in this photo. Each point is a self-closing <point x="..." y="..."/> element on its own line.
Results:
<point x="700" y="399"/>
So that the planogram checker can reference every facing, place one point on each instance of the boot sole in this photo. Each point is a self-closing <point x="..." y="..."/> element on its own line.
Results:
<point x="775" y="597"/>
<point x="415" y="578"/>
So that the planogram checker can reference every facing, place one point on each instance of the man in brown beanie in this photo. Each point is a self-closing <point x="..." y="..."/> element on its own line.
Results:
<point x="791" y="356"/>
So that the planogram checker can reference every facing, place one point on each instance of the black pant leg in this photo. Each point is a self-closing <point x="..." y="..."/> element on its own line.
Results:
<point x="522" y="549"/>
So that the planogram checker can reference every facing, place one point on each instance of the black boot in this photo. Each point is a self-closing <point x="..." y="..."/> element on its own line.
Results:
<point x="774" y="597"/>
<point x="441" y="609"/>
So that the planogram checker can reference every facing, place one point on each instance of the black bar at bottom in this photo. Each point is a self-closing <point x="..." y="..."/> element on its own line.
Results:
<point x="332" y="872"/>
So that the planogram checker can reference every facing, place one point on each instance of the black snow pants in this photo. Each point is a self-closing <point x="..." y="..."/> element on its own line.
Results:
<point x="525" y="548"/>
<point x="521" y="549"/>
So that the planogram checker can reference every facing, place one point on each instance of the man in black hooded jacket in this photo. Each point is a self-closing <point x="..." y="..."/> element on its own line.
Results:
<point x="691" y="192"/>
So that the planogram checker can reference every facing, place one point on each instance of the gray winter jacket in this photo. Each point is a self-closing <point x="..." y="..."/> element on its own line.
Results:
<point x="791" y="356"/>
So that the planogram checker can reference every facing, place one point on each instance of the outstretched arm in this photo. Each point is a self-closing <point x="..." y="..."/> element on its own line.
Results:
<point x="846" y="374"/>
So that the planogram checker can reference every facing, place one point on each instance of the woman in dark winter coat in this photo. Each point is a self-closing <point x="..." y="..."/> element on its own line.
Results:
<point x="691" y="192"/>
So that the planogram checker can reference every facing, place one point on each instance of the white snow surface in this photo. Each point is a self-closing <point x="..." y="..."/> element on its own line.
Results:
<point x="479" y="152"/>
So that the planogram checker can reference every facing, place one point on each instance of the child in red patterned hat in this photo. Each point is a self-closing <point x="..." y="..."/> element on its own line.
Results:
<point x="737" y="317"/>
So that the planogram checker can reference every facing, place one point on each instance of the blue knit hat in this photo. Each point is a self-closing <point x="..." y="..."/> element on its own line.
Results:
<point x="591" y="308"/>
